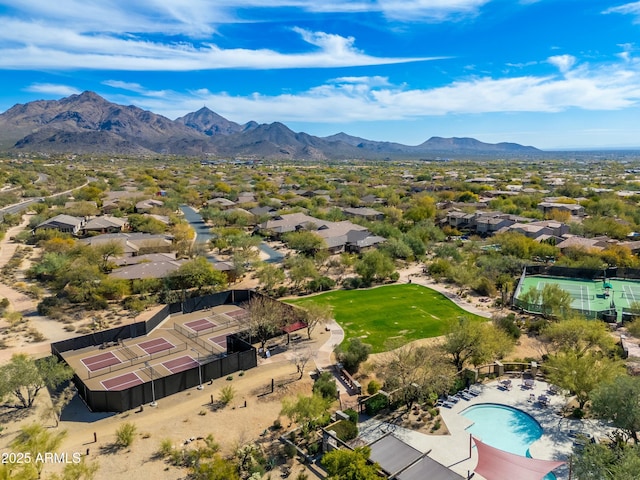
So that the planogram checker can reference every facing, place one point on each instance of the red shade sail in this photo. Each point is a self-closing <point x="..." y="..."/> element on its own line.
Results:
<point x="495" y="464"/>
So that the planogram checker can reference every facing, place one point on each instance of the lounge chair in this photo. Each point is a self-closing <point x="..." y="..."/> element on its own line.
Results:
<point x="444" y="403"/>
<point x="452" y="399"/>
<point x="543" y="400"/>
<point x="475" y="391"/>
<point x="464" y="394"/>
<point x="505" y="384"/>
<point x="532" y="398"/>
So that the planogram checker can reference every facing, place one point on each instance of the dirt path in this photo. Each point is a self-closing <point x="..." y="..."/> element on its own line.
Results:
<point x="27" y="306"/>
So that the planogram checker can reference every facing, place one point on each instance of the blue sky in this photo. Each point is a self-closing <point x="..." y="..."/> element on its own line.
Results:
<point x="548" y="73"/>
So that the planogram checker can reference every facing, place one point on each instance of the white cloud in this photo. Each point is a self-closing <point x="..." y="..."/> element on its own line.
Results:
<point x="52" y="89"/>
<point x="430" y="10"/>
<point x="375" y="81"/>
<point x="52" y="47"/>
<point x="632" y="8"/>
<point x="563" y="62"/>
<point x="363" y="99"/>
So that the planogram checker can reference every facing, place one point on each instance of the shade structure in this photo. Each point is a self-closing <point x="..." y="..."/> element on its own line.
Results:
<point x="496" y="464"/>
<point x="294" y="327"/>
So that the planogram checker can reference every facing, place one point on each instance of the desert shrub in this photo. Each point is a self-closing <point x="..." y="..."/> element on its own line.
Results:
<point x="634" y="328"/>
<point x="290" y="450"/>
<point x="352" y="283"/>
<point x="376" y="403"/>
<point x="353" y="415"/>
<point x="536" y="326"/>
<point x="226" y="395"/>
<point x="373" y="387"/>
<point x="48" y="304"/>
<point x="345" y="430"/>
<point x="485" y="287"/>
<point x="321" y="284"/>
<point x="166" y="448"/>
<point x="125" y="434"/>
<point x="508" y="325"/>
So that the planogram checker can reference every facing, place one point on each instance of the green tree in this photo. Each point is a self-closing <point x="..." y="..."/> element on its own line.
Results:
<point x="270" y="275"/>
<point x="106" y="251"/>
<point x="35" y="440"/>
<point x="581" y="374"/>
<point x="350" y="465"/>
<point x="356" y="353"/>
<point x="301" y="269"/>
<point x="578" y="335"/>
<point x="82" y="470"/>
<point x="597" y="461"/>
<point x="304" y="409"/>
<point x="619" y="402"/>
<point x="423" y="208"/>
<point x="305" y="242"/>
<point x="23" y="377"/>
<point x="325" y="385"/>
<point x="555" y="301"/>
<point x="374" y="266"/>
<point x="468" y="341"/>
<point x="197" y="273"/>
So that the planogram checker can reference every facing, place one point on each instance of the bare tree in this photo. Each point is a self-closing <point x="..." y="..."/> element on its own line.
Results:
<point x="417" y="371"/>
<point x="300" y="357"/>
<point x="316" y="313"/>
<point x="266" y="318"/>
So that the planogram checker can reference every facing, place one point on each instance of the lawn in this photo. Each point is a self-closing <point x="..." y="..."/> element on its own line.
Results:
<point x="407" y="312"/>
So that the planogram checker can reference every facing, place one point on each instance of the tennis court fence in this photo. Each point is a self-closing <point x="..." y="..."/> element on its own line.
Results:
<point x="541" y="309"/>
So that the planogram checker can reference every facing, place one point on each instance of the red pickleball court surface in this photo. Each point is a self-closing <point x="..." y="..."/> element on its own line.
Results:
<point x="219" y="340"/>
<point x="156" y="345"/>
<point x="122" y="382"/>
<point x="236" y="313"/>
<point x="199" y="325"/>
<point x="102" y="360"/>
<point x="180" y="364"/>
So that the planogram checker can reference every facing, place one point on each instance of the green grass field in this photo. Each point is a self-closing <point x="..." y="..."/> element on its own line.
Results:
<point x="406" y="312"/>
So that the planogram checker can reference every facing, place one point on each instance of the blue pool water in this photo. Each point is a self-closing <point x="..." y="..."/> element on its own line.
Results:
<point x="504" y="427"/>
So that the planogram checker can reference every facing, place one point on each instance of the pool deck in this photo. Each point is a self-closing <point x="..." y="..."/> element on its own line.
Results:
<point x="453" y="450"/>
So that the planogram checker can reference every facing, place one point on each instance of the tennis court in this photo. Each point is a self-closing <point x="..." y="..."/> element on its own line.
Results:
<point x="199" y="325"/>
<point x="180" y="364"/>
<point x="122" y="382"/>
<point x="587" y="295"/>
<point x="100" y="361"/>
<point x="219" y="340"/>
<point x="156" y="345"/>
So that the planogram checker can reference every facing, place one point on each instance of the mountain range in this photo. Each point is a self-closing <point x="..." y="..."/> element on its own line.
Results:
<point x="87" y="123"/>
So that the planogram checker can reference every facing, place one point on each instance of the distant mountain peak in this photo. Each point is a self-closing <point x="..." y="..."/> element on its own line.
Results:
<point x="87" y="123"/>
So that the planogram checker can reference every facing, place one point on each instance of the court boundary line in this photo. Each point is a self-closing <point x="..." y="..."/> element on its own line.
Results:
<point x="110" y="389"/>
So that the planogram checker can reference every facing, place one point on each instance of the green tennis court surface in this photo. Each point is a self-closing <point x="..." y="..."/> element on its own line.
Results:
<point x="589" y="295"/>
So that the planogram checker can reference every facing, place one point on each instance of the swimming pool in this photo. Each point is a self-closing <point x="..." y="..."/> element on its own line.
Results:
<point x="503" y="427"/>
